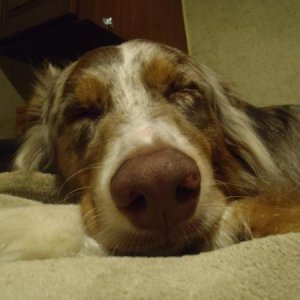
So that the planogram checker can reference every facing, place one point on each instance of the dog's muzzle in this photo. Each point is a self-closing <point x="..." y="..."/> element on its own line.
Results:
<point x="157" y="190"/>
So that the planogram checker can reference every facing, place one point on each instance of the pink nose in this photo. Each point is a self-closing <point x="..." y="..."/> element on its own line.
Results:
<point x="157" y="190"/>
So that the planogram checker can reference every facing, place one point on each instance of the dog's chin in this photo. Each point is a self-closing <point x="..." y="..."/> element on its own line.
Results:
<point x="161" y="250"/>
<point x="154" y="244"/>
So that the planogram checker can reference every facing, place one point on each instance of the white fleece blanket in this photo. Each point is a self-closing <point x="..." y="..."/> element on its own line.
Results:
<point x="266" y="268"/>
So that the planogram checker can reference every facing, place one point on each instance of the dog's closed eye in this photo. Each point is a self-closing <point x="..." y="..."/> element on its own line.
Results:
<point x="77" y="112"/>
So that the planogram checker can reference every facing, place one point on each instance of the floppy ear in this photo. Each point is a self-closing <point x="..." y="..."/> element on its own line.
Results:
<point x="239" y="128"/>
<point x="36" y="152"/>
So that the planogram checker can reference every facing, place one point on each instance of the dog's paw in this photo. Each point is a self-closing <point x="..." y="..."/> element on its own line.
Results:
<point x="43" y="231"/>
<point x="91" y="247"/>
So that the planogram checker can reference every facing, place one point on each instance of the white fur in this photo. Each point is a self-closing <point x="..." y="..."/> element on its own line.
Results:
<point x="43" y="231"/>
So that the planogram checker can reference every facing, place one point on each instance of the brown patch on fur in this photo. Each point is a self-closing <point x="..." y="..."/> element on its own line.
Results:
<point x="66" y="160"/>
<point x="270" y="214"/>
<point x="88" y="87"/>
<point x="90" y="90"/>
<point x="160" y="73"/>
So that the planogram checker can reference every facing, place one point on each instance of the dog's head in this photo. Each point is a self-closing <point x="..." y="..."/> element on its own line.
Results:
<point x="156" y="144"/>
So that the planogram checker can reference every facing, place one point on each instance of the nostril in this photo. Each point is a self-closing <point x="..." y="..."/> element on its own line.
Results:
<point x="188" y="188"/>
<point x="184" y="194"/>
<point x="137" y="203"/>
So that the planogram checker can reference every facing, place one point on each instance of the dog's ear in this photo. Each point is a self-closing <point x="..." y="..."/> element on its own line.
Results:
<point x="238" y="127"/>
<point x="35" y="152"/>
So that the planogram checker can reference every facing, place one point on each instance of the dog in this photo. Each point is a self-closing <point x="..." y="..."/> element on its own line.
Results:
<point x="167" y="158"/>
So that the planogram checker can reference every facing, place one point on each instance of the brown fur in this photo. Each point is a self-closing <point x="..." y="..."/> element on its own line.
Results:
<point x="160" y="74"/>
<point x="90" y="91"/>
<point x="271" y="213"/>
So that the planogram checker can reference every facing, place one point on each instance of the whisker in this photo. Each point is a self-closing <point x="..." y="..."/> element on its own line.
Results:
<point x="74" y="192"/>
<point x="224" y="184"/>
<point x="87" y="168"/>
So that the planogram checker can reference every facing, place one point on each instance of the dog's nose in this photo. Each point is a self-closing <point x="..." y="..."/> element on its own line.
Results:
<point x="157" y="190"/>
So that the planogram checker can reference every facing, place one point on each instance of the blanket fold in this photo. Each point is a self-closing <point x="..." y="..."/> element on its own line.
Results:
<point x="32" y="185"/>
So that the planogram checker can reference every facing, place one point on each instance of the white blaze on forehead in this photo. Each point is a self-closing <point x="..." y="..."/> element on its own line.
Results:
<point x="130" y="92"/>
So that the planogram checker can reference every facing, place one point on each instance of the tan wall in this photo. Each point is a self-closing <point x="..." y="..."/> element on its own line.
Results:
<point x="9" y="100"/>
<point x="255" y="43"/>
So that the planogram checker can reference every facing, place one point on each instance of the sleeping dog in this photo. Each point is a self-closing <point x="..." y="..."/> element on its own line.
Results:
<point x="167" y="159"/>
